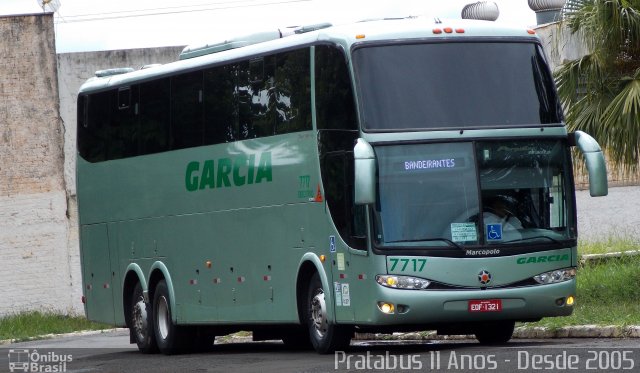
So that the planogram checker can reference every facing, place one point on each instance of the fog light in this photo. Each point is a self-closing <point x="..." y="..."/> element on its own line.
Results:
<point x="570" y="301"/>
<point x="386" y="307"/>
<point x="560" y="302"/>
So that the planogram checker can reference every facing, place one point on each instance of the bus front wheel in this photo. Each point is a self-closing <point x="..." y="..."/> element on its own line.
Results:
<point x="170" y="337"/>
<point x="142" y="322"/>
<point x="325" y="336"/>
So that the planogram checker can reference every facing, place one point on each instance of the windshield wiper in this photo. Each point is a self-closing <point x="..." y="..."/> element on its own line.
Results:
<point x="533" y="238"/>
<point x="446" y="240"/>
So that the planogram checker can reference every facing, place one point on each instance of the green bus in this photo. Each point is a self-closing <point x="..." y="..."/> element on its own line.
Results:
<point x="389" y="175"/>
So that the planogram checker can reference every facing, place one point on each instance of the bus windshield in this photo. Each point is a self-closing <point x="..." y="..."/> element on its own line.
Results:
<point x="455" y="85"/>
<point x="474" y="194"/>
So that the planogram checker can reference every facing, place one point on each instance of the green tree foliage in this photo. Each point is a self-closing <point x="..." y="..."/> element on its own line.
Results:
<point x="601" y="91"/>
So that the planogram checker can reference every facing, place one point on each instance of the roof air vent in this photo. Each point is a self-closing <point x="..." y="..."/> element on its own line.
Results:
<point x="482" y="10"/>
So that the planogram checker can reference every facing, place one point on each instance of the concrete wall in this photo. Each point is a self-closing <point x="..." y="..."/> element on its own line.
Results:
<point x="560" y="44"/>
<point x="35" y="266"/>
<point x="39" y="252"/>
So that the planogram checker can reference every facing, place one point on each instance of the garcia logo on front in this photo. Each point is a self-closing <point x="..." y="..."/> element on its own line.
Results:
<point x="23" y="360"/>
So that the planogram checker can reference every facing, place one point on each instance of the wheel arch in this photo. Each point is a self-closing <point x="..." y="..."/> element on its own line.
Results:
<point x="134" y="275"/>
<point x="310" y="263"/>
<point x="158" y="272"/>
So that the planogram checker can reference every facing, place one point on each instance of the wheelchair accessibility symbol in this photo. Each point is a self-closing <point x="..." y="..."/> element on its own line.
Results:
<point x="494" y="232"/>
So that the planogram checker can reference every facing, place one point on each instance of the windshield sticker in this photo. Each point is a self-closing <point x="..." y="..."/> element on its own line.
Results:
<point x="494" y="232"/>
<point x="340" y="261"/>
<point x="463" y="232"/>
<point x="346" y="296"/>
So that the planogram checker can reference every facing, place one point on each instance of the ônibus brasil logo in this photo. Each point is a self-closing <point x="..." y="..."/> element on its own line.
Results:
<point x="24" y="360"/>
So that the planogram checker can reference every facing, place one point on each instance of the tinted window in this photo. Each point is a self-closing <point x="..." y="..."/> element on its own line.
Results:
<point x="334" y="98"/>
<point x="221" y="107"/>
<point x="293" y="91"/>
<point x="186" y="110"/>
<point x="92" y="132"/>
<point x="124" y="126"/>
<point x="263" y="96"/>
<point x="455" y="85"/>
<point x="337" y="127"/>
<point x="154" y="116"/>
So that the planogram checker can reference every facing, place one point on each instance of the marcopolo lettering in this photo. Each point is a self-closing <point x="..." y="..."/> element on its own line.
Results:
<point x="543" y="259"/>
<point x="226" y="172"/>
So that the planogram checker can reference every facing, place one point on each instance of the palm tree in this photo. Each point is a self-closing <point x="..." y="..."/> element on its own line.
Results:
<point x="601" y="91"/>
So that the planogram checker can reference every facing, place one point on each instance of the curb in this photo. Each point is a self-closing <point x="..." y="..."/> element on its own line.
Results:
<point x="522" y="332"/>
<point x="582" y="331"/>
<point x="51" y="336"/>
<point x="597" y="258"/>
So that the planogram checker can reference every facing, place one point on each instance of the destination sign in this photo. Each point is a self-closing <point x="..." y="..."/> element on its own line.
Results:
<point x="432" y="164"/>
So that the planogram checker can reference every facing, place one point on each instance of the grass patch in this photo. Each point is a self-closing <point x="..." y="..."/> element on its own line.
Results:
<point x="28" y="325"/>
<point x="608" y="294"/>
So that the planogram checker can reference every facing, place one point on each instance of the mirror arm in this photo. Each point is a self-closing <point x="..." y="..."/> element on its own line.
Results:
<point x="594" y="159"/>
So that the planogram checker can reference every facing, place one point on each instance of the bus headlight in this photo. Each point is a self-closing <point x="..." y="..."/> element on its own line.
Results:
<point x="553" y="277"/>
<point x="402" y="282"/>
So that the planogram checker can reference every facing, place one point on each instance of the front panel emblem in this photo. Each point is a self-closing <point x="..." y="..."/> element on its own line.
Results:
<point x="484" y="277"/>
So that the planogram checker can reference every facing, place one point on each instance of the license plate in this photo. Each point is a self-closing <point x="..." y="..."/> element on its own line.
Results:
<point x="485" y="305"/>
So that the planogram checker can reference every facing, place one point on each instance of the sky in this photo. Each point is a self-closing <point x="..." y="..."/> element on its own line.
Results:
<point x="89" y="25"/>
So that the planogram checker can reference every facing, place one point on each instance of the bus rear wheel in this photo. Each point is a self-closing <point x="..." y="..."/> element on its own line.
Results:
<point x="326" y="337"/>
<point x="170" y="337"/>
<point x="493" y="333"/>
<point x="142" y="322"/>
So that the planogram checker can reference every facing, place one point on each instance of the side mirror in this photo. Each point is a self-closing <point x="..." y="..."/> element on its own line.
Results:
<point x="365" y="173"/>
<point x="596" y="165"/>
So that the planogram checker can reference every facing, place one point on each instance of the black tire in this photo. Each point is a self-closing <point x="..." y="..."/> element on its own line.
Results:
<point x="325" y="336"/>
<point x="494" y="333"/>
<point x="141" y="317"/>
<point x="170" y="338"/>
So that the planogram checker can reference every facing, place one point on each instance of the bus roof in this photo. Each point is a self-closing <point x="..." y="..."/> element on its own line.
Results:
<point x="346" y="35"/>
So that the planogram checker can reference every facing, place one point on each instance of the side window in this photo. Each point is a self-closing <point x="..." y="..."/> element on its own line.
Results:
<point x="92" y="128"/>
<point x="337" y="177"/>
<point x="334" y="98"/>
<point x="124" y="128"/>
<point x="187" y="110"/>
<point x="338" y="131"/>
<point x="261" y="82"/>
<point x="221" y="108"/>
<point x="293" y="91"/>
<point x="154" y="116"/>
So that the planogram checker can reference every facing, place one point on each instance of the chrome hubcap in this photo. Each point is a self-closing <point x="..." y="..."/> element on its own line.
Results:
<point x="140" y="319"/>
<point x="319" y="313"/>
<point x="163" y="317"/>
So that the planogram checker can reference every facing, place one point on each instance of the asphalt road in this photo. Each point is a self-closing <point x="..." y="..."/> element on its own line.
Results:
<point x="111" y="352"/>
